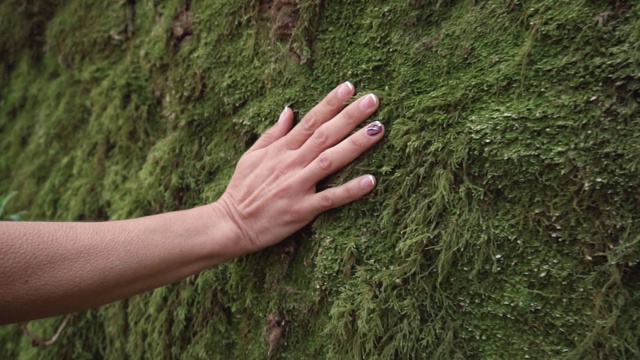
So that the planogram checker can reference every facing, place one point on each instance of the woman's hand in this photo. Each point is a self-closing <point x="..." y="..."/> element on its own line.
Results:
<point x="272" y="193"/>
<point x="54" y="268"/>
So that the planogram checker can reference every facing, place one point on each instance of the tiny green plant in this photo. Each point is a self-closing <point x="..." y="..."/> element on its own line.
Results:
<point x="4" y="199"/>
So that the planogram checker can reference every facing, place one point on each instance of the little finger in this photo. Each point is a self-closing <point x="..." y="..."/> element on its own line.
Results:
<point x="343" y="194"/>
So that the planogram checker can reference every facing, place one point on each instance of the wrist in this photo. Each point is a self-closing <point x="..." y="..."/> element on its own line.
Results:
<point x="213" y="236"/>
<point x="227" y="231"/>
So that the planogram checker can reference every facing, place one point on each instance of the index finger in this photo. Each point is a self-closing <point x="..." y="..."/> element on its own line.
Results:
<point x="329" y="107"/>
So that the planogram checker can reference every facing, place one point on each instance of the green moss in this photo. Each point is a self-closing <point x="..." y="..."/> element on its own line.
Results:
<point x="505" y="223"/>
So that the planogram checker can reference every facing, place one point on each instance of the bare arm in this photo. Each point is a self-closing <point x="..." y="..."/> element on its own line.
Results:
<point x="52" y="268"/>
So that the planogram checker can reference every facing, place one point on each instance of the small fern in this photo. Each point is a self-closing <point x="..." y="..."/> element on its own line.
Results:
<point x="4" y="199"/>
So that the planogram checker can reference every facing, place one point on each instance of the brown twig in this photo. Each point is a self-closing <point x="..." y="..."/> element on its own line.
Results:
<point x="37" y="341"/>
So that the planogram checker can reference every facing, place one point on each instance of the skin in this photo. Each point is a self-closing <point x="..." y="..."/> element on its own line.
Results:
<point x="55" y="268"/>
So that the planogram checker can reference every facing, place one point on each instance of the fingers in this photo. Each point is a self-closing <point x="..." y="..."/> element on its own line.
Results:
<point x="277" y="131"/>
<point x="336" y="129"/>
<point x="339" y="156"/>
<point x="343" y="194"/>
<point x="321" y="113"/>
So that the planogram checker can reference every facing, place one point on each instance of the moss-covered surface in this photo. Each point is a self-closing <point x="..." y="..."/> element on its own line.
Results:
<point x="505" y="223"/>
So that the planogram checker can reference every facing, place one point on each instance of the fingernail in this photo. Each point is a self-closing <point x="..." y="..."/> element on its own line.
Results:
<point x="374" y="128"/>
<point x="283" y="114"/>
<point x="368" y="182"/>
<point x="369" y="102"/>
<point x="346" y="89"/>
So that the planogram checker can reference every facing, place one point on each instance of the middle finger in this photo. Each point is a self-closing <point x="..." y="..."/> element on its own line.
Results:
<point x="338" y="128"/>
<point x="339" y="156"/>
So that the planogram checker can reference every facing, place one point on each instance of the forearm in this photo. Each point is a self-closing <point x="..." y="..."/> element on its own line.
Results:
<point x="54" y="268"/>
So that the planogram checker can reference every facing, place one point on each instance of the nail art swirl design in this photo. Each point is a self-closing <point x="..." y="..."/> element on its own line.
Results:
<point x="374" y="128"/>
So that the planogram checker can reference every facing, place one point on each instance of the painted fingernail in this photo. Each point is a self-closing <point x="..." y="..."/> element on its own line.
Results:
<point x="346" y="89"/>
<point x="374" y="128"/>
<point x="369" y="102"/>
<point x="368" y="182"/>
<point x="283" y="114"/>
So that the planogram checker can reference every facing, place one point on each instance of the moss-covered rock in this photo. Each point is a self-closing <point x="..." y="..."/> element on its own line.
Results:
<point x="505" y="223"/>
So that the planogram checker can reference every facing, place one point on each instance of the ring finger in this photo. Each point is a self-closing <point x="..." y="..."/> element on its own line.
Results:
<point x="340" y="126"/>
<point x="337" y="157"/>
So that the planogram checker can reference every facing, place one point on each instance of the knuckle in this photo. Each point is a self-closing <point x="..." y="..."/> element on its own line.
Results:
<point x="310" y="122"/>
<point x="324" y="162"/>
<point x="320" y="138"/>
<point x="297" y="214"/>
<point x="327" y="200"/>
<point x="349" y="192"/>
<point x="267" y="137"/>
<point x="282" y="171"/>
<point x="355" y="142"/>
<point x="350" y="115"/>
<point x="332" y="101"/>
